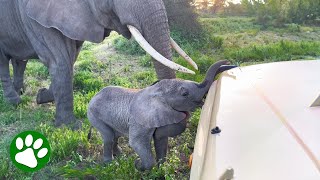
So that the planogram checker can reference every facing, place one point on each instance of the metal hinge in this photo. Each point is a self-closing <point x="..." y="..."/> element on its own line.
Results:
<point x="316" y="102"/>
<point x="227" y="175"/>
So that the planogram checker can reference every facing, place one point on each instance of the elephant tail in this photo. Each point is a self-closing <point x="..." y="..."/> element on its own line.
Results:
<point x="90" y="133"/>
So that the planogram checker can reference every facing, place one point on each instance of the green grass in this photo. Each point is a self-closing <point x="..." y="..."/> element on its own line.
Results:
<point x="75" y="157"/>
<point x="280" y="51"/>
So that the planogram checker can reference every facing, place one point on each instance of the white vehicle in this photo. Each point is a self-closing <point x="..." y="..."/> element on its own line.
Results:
<point x="269" y="116"/>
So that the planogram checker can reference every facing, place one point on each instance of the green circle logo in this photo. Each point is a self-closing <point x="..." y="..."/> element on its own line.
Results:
<point x="30" y="151"/>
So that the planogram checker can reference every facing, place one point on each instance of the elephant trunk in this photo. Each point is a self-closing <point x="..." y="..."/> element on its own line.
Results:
<point x="157" y="33"/>
<point x="210" y="76"/>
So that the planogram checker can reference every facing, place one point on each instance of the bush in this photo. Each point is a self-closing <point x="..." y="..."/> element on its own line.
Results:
<point x="182" y="16"/>
<point x="277" y="13"/>
<point x="37" y="69"/>
<point x="85" y="82"/>
<point x="81" y="102"/>
<point x="127" y="46"/>
<point x="281" y="51"/>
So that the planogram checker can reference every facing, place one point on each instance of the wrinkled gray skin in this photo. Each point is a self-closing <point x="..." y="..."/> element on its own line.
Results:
<point x="54" y="31"/>
<point x="14" y="89"/>
<point x="158" y="111"/>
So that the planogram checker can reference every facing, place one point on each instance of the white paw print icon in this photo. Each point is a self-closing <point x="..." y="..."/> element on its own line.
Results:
<point x="28" y="156"/>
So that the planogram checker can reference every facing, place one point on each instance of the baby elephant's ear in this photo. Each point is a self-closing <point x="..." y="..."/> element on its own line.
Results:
<point x="151" y="111"/>
<point x="71" y="17"/>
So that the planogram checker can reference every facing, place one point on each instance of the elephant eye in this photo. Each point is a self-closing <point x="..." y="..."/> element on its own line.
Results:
<point x="184" y="92"/>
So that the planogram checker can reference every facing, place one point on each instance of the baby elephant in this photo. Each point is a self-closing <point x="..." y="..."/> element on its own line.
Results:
<point x="158" y="111"/>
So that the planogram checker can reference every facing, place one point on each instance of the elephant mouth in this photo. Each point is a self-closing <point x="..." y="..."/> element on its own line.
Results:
<point x="187" y="115"/>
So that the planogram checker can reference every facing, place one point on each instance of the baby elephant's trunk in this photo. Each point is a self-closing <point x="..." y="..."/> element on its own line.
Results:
<point x="210" y="76"/>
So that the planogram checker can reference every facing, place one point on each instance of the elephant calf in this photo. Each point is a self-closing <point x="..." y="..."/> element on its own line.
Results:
<point x="158" y="111"/>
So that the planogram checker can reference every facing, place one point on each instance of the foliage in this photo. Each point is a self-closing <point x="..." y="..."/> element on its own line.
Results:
<point x="36" y="69"/>
<point x="86" y="81"/>
<point x="81" y="102"/>
<point x="127" y="46"/>
<point x="145" y="61"/>
<point x="64" y="142"/>
<point x="277" y="13"/>
<point x="182" y="16"/>
<point x="281" y="51"/>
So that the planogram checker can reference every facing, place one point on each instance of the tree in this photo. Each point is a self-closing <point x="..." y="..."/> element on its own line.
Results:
<point x="182" y="16"/>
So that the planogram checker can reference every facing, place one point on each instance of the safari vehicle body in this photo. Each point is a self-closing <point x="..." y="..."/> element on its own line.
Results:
<point x="268" y="128"/>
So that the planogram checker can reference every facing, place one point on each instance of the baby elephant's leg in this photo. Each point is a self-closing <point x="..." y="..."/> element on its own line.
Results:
<point x="140" y="141"/>
<point x="107" y="134"/>
<point x="116" y="149"/>
<point x="161" y="138"/>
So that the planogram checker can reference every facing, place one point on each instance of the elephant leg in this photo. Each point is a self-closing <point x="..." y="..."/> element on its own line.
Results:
<point x="161" y="135"/>
<point x="62" y="89"/>
<point x="161" y="147"/>
<point x="18" y="75"/>
<point x="108" y="141"/>
<point x="116" y="148"/>
<point x="45" y="95"/>
<point x="140" y="141"/>
<point x="58" y="53"/>
<point x="10" y="93"/>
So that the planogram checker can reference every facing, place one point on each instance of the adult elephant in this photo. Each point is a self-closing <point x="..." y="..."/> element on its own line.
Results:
<point x="54" y="31"/>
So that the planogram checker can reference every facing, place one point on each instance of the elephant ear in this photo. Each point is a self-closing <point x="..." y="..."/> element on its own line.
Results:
<point x="150" y="110"/>
<point x="72" y="17"/>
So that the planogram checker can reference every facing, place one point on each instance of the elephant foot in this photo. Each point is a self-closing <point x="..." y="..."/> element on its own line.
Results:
<point x="70" y="122"/>
<point x="107" y="161"/>
<point x="13" y="98"/>
<point x="44" y="96"/>
<point x="140" y="167"/>
<point x="20" y="91"/>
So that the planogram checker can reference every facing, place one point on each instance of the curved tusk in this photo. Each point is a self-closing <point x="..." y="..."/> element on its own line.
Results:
<point x="183" y="54"/>
<point x="154" y="53"/>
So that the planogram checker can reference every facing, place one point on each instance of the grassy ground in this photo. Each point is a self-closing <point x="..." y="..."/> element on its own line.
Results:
<point x="117" y="61"/>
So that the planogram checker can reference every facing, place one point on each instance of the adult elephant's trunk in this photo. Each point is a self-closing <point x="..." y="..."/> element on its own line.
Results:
<point x="157" y="33"/>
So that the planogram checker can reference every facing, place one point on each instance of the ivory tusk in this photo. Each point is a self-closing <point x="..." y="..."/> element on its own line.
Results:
<point x="183" y="54"/>
<point x="154" y="53"/>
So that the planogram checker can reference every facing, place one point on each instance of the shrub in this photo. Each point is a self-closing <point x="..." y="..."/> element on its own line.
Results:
<point x="37" y="69"/>
<point x="182" y="17"/>
<point x="85" y="81"/>
<point x="281" y="51"/>
<point x="81" y="102"/>
<point x="127" y="46"/>
<point x="277" y="13"/>
<point x="145" y="61"/>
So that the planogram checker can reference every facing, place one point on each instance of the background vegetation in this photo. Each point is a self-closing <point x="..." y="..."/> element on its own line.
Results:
<point x="242" y="38"/>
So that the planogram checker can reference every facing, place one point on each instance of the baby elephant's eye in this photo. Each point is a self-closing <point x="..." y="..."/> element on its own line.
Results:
<point x="184" y="91"/>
